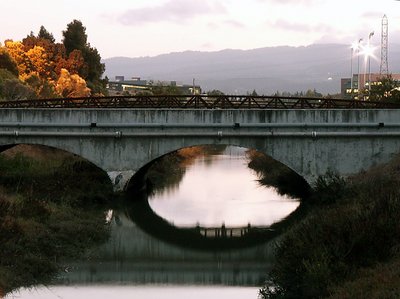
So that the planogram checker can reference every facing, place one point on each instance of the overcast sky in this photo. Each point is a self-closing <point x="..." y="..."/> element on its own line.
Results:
<point x="146" y="28"/>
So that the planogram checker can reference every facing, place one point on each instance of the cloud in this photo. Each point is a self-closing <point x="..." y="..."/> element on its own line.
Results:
<point x="171" y="11"/>
<point x="289" y="2"/>
<point x="372" y="15"/>
<point x="207" y="46"/>
<point x="335" y="39"/>
<point x="300" y="27"/>
<point x="223" y="24"/>
<point x="212" y="26"/>
<point x="234" y="23"/>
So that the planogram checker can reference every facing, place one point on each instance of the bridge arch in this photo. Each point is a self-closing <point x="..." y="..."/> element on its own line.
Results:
<point x="142" y="211"/>
<point x="309" y="141"/>
<point x="137" y="179"/>
<point x="43" y="152"/>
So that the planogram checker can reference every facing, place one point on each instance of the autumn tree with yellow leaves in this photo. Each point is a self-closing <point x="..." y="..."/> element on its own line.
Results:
<point x="69" y="69"/>
<point x="71" y="86"/>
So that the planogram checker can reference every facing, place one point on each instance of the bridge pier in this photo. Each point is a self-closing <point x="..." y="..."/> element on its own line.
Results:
<point x="120" y="179"/>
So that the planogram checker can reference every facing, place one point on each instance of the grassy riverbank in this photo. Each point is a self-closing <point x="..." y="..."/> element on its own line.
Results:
<point x="348" y="246"/>
<point x="49" y="211"/>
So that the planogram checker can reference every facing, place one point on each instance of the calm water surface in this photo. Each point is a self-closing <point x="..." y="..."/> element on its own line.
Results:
<point x="216" y="188"/>
<point x="140" y="292"/>
<point x="220" y="188"/>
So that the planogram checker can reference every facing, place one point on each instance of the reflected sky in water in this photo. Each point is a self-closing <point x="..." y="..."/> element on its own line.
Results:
<point x="142" y="292"/>
<point x="220" y="188"/>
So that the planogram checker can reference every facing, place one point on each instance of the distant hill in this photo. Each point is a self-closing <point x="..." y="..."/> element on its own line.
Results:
<point x="265" y="70"/>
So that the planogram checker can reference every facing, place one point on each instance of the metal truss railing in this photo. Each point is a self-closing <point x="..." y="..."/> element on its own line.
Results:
<point x="199" y="102"/>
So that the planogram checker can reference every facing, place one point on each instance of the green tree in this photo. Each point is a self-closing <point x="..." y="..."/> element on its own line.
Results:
<point x="215" y="92"/>
<point x="313" y="93"/>
<point x="161" y="88"/>
<point x="11" y="88"/>
<point x="75" y="37"/>
<point x="43" y="88"/>
<point x="6" y="62"/>
<point x="44" y="34"/>
<point x="95" y="69"/>
<point x="254" y="93"/>
<point x="386" y="89"/>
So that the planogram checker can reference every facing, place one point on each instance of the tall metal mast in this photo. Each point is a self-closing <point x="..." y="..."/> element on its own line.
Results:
<point x="384" y="47"/>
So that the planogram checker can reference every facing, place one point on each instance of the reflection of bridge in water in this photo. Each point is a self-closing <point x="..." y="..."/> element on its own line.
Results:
<point x="132" y="256"/>
<point x="203" y="238"/>
<point x="231" y="232"/>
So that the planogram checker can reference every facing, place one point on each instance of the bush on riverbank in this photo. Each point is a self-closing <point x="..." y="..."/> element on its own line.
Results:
<point x="356" y="227"/>
<point x="63" y="178"/>
<point x="48" y="212"/>
<point x="379" y="282"/>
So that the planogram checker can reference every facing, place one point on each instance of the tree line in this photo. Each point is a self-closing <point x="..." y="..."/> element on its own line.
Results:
<point x="40" y="67"/>
<point x="386" y="89"/>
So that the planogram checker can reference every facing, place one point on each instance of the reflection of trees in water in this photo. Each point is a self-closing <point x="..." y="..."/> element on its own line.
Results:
<point x="49" y="211"/>
<point x="168" y="171"/>
<point x="275" y="174"/>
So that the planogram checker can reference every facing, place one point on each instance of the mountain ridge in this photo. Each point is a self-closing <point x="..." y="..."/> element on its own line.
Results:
<point x="266" y="70"/>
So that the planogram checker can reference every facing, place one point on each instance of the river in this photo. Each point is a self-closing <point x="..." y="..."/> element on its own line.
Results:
<point x="217" y="191"/>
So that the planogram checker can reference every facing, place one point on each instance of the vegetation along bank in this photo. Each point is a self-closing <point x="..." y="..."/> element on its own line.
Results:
<point x="348" y="244"/>
<point x="52" y="207"/>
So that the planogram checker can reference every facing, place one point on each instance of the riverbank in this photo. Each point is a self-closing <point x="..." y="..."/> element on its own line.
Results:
<point x="348" y="245"/>
<point x="52" y="207"/>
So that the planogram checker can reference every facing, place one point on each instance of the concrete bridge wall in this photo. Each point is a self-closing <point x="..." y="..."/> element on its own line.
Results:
<point x="123" y="140"/>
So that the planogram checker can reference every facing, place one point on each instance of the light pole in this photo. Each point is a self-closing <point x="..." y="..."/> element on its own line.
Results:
<point x="355" y="50"/>
<point x="351" y="70"/>
<point x="358" y="66"/>
<point x="369" y="62"/>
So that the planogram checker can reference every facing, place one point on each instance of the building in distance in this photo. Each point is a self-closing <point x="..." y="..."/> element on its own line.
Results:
<point x="135" y="86"/>
<point x="349" y="88"/>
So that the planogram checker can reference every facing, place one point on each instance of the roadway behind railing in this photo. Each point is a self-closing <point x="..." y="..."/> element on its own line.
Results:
<point x="200" y="102"/>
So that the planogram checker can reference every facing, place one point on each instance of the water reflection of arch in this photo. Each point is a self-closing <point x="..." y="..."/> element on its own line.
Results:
<point x="195" y="237"/>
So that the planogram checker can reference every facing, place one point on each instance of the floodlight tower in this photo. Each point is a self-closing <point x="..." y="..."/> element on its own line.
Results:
<point x="384" y="47"/>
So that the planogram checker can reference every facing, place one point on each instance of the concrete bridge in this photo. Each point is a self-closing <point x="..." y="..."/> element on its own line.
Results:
<point x="122" y="141"/>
